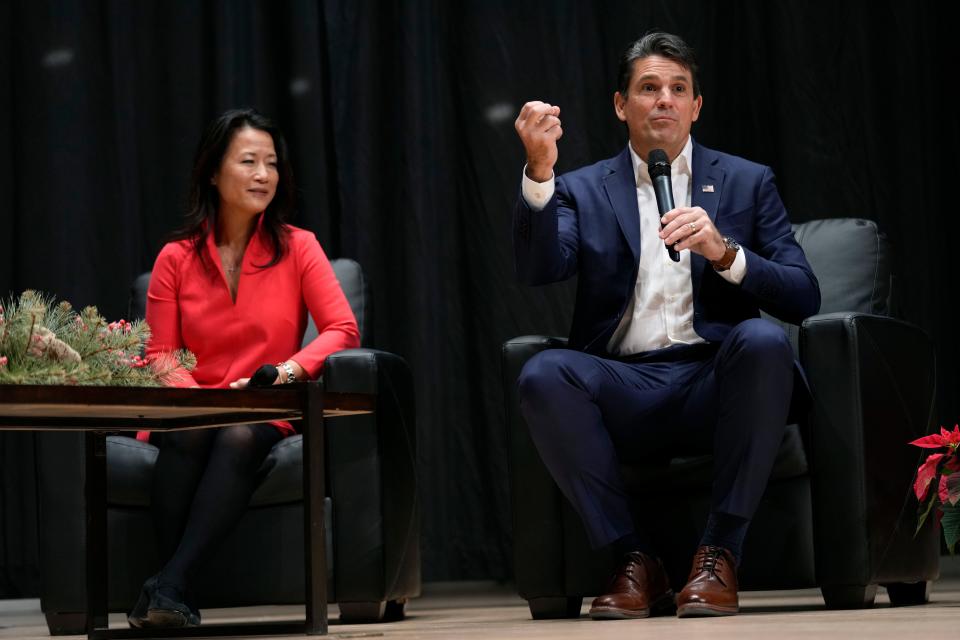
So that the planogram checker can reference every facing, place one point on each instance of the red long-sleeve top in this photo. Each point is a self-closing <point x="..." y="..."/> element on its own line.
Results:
<point x="189" y="307"/>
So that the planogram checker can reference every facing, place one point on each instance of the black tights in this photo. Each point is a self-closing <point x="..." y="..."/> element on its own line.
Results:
<point x="202" y="484"/>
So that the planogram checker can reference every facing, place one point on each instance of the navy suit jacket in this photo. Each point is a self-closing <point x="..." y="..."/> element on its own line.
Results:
<point x="591" y="227"/>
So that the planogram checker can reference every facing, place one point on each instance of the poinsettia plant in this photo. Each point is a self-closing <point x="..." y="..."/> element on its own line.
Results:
<point x="938" y="483"/>
<point x="46" y="343"/>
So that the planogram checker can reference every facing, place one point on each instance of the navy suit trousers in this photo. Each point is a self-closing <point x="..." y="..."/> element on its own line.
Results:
<point x="588" y="414"/>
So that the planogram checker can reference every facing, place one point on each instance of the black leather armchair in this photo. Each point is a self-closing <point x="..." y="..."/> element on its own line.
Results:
<point x="837" y="513"/>
<point x="372" y="508"/>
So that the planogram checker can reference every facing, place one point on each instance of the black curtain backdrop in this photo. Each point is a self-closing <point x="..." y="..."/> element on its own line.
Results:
<point x="400" y="120"/>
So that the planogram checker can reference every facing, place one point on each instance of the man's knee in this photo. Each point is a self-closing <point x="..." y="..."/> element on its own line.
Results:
<point x="544" y="375"/>
<point x="763" y="340"/>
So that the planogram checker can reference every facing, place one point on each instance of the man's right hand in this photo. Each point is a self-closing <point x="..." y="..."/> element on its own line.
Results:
<point x="538" y="126"/>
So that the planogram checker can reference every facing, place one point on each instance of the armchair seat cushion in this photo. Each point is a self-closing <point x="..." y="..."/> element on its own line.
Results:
<point x="130" y="473"/>
<point x="696" y="471"/>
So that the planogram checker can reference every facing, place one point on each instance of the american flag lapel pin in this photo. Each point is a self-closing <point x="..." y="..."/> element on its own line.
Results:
<point x="706" y="188"/>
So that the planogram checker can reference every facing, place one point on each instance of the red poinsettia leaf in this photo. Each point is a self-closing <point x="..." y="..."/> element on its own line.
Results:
<point x="952" y="437"/>
<point x="952" y="463"/>
<point x="933" y="441"/>
<point x="953" y="488"/>
<point x="926" y="473"/>
<point x="942" y="492"/>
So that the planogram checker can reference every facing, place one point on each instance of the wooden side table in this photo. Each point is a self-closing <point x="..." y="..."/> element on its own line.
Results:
<point x="99" y="410"/>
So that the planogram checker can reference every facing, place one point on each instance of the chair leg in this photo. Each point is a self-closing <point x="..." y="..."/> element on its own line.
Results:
<point x="559" y="607"/>
<point x="360" y="612"/>
<point x="903" y="594"/>
<point x="849" y="596"/>
<point x="66" y="624"/>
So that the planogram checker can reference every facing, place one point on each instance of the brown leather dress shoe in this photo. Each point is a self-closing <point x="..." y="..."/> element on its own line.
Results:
<point x="638" y="589"/>
<point x="712" y="586"/>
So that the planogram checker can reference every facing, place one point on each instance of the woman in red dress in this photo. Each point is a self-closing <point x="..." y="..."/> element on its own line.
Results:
<point x="234" y="286"/>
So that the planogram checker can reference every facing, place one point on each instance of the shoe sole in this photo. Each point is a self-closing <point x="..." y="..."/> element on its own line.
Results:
<point x="135" y="619"/>
<point x="703" y="610"/>
<point x="663" y="606"/>
<point x="165" y="618"/>
<point x="614" y="613"/>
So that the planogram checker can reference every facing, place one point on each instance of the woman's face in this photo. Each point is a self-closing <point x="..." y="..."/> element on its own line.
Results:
<point x="247" y="177"/>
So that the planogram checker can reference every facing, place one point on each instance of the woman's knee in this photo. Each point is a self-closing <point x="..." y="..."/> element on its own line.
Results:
<point x="188" y="444"/>
<point x="253" y="440"/>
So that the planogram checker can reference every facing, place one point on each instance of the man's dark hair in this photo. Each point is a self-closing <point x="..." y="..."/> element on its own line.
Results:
<point x="658" y="43"/>
<point x="204" y="199"/>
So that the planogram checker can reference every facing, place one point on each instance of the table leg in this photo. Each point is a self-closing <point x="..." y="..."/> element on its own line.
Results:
<point x="314" y="490"/>
<point x="95" y="492"/>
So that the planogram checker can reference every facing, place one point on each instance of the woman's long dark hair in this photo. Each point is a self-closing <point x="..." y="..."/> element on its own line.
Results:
<point x="204" y="199"/>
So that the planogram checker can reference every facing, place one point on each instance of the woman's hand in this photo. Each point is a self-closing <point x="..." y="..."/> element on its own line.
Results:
<point x="269" y="375"/>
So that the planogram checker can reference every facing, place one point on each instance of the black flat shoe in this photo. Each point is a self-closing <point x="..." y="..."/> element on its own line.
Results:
<point x="168" y="613"/>
<point x="138" y="615"/>
<point x="166" y="609"/>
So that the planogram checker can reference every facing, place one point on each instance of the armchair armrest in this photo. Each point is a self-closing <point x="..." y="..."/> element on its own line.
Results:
<point x="872" y="380"/>
<point x="535" y="498"/>
<point x="371" y="465"/>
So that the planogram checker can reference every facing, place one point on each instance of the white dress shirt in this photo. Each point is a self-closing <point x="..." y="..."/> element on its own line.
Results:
<point x="660" y="310"/>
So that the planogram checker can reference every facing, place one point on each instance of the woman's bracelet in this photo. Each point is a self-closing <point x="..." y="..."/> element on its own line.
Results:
<point x="288" y="368"/>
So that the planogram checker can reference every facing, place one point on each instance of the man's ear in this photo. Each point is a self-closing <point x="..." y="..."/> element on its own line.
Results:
<point x="697" y="104"/>
<point x="618" y="103"/>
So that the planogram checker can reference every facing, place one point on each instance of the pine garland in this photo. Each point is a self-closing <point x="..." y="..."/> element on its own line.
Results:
<point x="46" y="343"/>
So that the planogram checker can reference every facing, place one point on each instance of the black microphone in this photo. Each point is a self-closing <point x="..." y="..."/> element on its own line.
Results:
<point x="264" y="376"/>
<point x="658" y="164"/>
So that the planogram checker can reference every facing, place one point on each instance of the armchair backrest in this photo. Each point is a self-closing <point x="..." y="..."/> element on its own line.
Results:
<point x="851" y="259"/>
<point x="357" y="289"/>
<point x="348" y="272"/>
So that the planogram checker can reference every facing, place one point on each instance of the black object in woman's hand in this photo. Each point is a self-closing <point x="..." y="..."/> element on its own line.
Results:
<point x="264" y="376"/>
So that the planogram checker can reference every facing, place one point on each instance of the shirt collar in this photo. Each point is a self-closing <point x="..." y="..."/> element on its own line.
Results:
<point x="681" y="164"/>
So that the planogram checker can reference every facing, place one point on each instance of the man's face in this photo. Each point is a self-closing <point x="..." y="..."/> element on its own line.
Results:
<point x="659" y="107"/>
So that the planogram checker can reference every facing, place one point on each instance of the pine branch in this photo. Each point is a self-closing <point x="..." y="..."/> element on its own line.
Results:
<point x="46" y="343"/>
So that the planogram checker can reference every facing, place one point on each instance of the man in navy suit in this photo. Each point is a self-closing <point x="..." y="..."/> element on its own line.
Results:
<point x="661" y="353"/>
